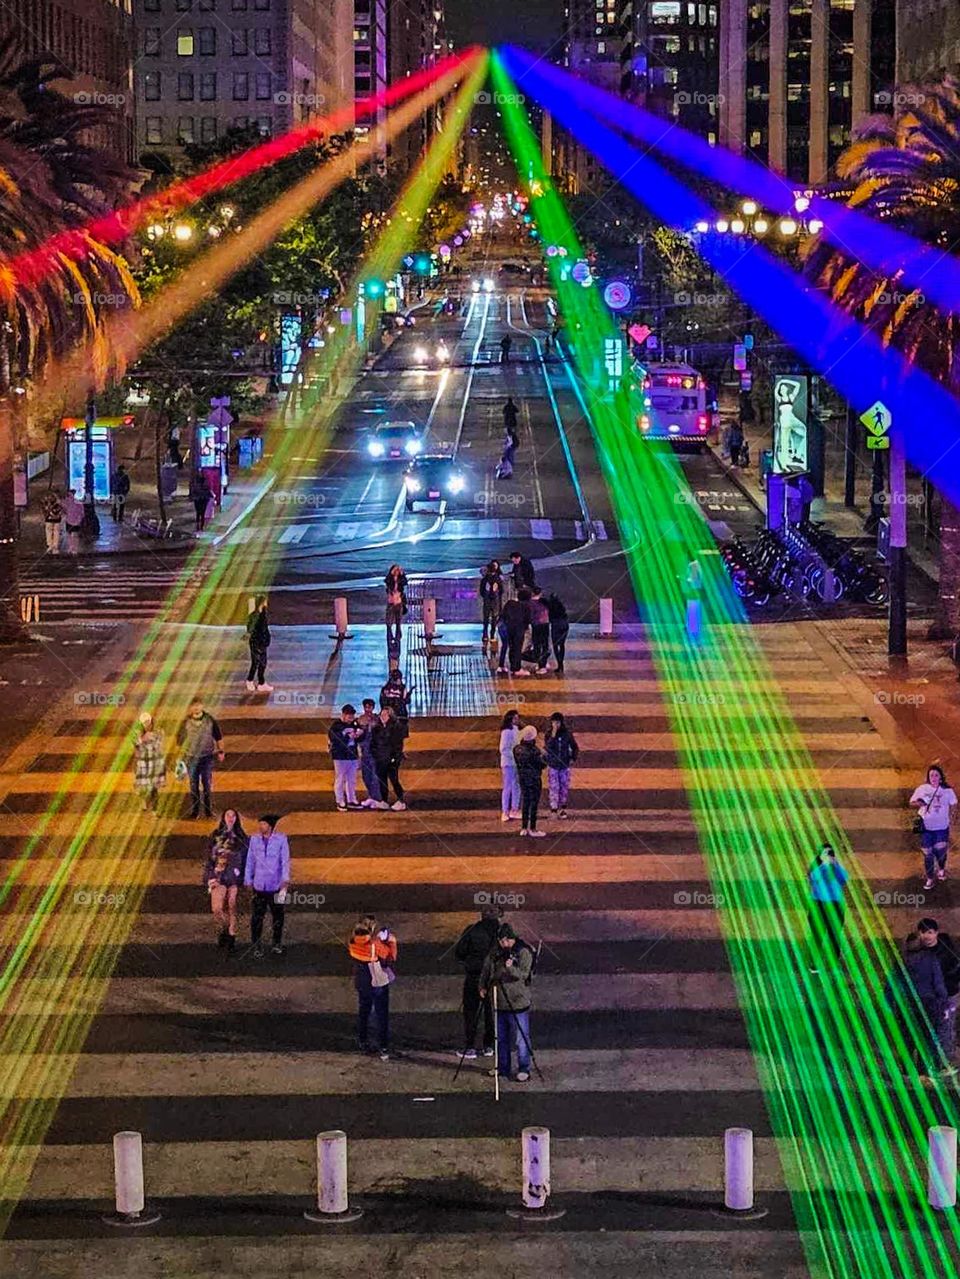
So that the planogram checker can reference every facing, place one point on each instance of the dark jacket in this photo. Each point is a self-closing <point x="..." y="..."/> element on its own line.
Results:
<point x="386" y="741"/>
<point x="531" y="762"/>
<point x="515" y="615"/>
<point x="397" y="698"/>
<point x="258" y="629"/>
<point x="561" y="749"/>
<point x="121" y="483"/>
<point x="200" y="488"/>
<point x="513" y="982"/>
<point x="556" y="608"/>
<point x="524" y="573"/>
<point x="475" y="945"/>
<point x="396" y="582"/>
<point x="926" y="975"/>
<point x="510" y="416"/>
<point x="946" y="951"/>
<point x="343" y="739"/>
<point x="226" y="859"/>
<point x="491" y="587"/>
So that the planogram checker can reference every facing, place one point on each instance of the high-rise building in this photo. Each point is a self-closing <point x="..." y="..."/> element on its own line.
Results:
<point x="797" y="74"/>
<point x="370" y="60"/>
<point x="928" y="41"/>
<point x="416" y="40"/>
<point x="670" y="61"/>
<point x="205" y="66"/>
<point x="591" y="49"/>
<point x="94" y="38"/>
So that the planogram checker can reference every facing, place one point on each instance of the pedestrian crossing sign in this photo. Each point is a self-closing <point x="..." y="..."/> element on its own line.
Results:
<point x="877" y="419"/>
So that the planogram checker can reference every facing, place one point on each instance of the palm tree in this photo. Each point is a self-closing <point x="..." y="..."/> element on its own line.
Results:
<point x="905" y="170"/>
<point x="52" y="179"/>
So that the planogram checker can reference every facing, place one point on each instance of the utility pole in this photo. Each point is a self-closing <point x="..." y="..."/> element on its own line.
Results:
<point x="91" y="522"/>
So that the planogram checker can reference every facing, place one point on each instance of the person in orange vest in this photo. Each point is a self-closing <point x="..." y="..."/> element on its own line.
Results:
<point x="374" y="952"/>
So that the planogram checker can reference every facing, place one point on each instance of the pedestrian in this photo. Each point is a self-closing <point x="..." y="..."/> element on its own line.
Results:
<point x="530" y="761"/>
<point x="510" y="782"/>
<point x="539" y="630"/>
<point x="508" y="970"/>
<point x="735" y="443"/>
<point x="119" y="488"/>
<point x="827" y="880"/>
<point x="919" y="980"/>
<point x="268" y="874"/>
<point x="258" y="638"/>
<point x="945" y="949"/>
<point x="386" y="746"/>
<point x="224" y="873"/>
<point x="374" y="954"/>
<point x="935" y="800"/>
<point x="562" y="752"/>
<point x="396" y="587"/>
<point x="510" y="416"/>
<point x="344" y="736"/>
<point x="504" y="468"/>
<point x="73" y="521"/>
<point x="490" y="592"/>
<point x="476" y="942"/>
<point x="559" y="629"/>
<point x="514" y="620"/>
<point x="150" y="765"/>
<point x="396" y="695"/>
<point x="367" y="718"/>
<point x="201" y="740"/>
<point x="506" y="342"/>
<point x="52" y="520"/>
<point x="524" y="574"/>
<point x="201" y="496"/>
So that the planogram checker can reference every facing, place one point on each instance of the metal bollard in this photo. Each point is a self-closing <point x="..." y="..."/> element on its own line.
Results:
<point x="738" y="1174"/>
<point x="340" y="619"/>
<point x="429" y="620"/>
<point x="606" y="616"/>
<point x="332" y="1202"/>
<point x="535" y="1191"/>
<point x="128" y="1180"/>
<point x="942" y="1177"/>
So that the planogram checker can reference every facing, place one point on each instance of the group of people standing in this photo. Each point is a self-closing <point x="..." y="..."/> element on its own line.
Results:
<point x="521" y="769"/>
<point x="530" y="610"/>
<point x="260" y="862"/>
<point x="59" y="513"/>
<point x="371" y="745"/>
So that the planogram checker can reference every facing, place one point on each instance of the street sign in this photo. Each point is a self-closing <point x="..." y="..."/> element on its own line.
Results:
<point x="639" y="332"/>
<point x="79" y="423"/>
<point x="746" y="380"/>
<point x="617" y="295"/>
<point x="878" y="441"/>
<point x="739" y="357"/>
<point x="877" y="419"/>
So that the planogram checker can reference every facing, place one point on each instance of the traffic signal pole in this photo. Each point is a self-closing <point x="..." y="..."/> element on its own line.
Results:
<point x="897" y="627"/>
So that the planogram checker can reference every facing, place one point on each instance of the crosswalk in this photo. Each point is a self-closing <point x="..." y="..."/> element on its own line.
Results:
<point x="327" y="532"/>
<point x="105" y="592"/>
<point x="230" y="1066"/>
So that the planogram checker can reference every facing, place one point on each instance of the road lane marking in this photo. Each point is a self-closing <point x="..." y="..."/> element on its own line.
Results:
<point x="293" y="534"/>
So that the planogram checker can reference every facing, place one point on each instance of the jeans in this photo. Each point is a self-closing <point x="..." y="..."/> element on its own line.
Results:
<point x="345" y="780"/>
<point x="388" y="772"/>
<point x="491" y="616"/>
<point x="513" y="1032"/>
<point x="471" y="1013"/>
<point x="558" y="781"/>
<point x="540" y="643"/>
<point x="200" y="773"/>
<point x="200" y="507"/>
<point x="371" y="782"/>
<point x="504" y="645"/>
<point x="119" y="502"/>
<point x="935" y="843"/>
<point x="558" y="634"/>
<point x="52" y="530"/>
<point x="258" y="664"/>
<point x="262" y="902"/>
<point x="376" y="999"/>
<point x="531" y="802"/>
<point x="826" y="930"/>
<point x="510" y="793"/>
<point x="515" y="648"/>
<point x="394" y="618"/>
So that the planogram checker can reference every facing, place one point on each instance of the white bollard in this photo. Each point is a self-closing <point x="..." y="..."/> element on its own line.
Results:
<point x="535" y="1143"/>
<point x="128" y="1181"/>
<point x="340" y="618"/>
<point x="738" y="1173"/>
<point x="332" y="1202"/>
<point x="606" y="616"/>
<point x="942" y="1180"/>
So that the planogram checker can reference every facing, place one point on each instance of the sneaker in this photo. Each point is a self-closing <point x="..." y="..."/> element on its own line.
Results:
<point x="928" y="883"/>
<point x="382" y="805"/>
<point x="522" y="1076"/>
<point x="265" y="688"/>
<point x="541" y="670"/>
<point x="341" y="808"/>
<point x="278" y="950"/>
<point x="562" y="812"/>
<point x="524" y="831"/>
<point x="505" y="817"/>
<point x="470" y="1054"/>
<point x="501" y="670"/>
<point x="537" y="834"/>
<point x="514" y="817"/>
<point x="521" y="673"/>
<point x="399" y="806"/>
<point x="258" y="951"/>
<point x="941" y="873"/>
<point x="368" y="803"/>
<point x="384" y="1054"/>
<point x="251" y="687"/>
<point x="488" y="1052"/>
<point x="353" y="805"/>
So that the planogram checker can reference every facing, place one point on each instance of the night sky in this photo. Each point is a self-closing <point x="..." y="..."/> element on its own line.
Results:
<point x="534" y="23"/>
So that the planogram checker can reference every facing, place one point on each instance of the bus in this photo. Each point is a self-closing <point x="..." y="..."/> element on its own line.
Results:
<point x="673" y="404"/>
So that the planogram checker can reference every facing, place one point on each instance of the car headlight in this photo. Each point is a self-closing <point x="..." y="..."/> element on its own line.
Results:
<point x="456" y="483"/>
<point x="412" y="483"/>
<point x="375" y="448"/>
<point x="420" y="354"/>
<point x="488" y="285"/>
<point x="475" y="285"/>
<point x="412" y="447"/>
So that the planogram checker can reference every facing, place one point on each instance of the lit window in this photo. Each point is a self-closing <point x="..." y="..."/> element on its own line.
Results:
<point x="208" y="128"/>
<point x="153" y="126"/>
<point x="601" y="46"/>
<point x="185" y="44"/>
<point x="185" y="129"/>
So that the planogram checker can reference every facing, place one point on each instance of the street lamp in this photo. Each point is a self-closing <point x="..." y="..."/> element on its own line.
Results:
<point x="788" y="227"/>
<point x="737" y="226"/>
<point x="749" y="208"/>
<point x="722" y="226"/>
<point x="761" y="226"/>
<point x="183" y="232"/>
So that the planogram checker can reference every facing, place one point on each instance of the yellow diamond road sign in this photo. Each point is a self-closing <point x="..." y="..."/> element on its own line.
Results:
<point x="877" y="418"/>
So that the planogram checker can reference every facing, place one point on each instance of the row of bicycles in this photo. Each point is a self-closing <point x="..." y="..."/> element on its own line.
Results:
<point x="805" y="560"/>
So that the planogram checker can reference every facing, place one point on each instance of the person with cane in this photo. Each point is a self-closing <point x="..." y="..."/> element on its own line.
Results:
<point x="506" y="977"/>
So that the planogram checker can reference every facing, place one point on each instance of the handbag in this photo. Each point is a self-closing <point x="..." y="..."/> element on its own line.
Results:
<point x="918" y="826"/>
<point x="380" y="976"/>
<point x="181" y="770"/>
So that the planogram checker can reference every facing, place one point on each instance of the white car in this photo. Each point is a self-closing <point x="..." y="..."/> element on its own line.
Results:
<point x="394" y="442"/>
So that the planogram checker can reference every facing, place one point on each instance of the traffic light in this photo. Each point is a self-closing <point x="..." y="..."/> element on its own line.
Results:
<point x="421" y="263"/>
<point x="373" y="288"/>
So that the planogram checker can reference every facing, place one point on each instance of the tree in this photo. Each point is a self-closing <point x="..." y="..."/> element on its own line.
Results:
<point x="52" y="178"/>
<point x="906" y="171"/>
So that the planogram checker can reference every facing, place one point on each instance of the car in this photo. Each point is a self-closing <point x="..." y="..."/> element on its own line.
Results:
<point x="434" y="477"/>
<point x="513" y="268"/>
<point x="394" y="441"/>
